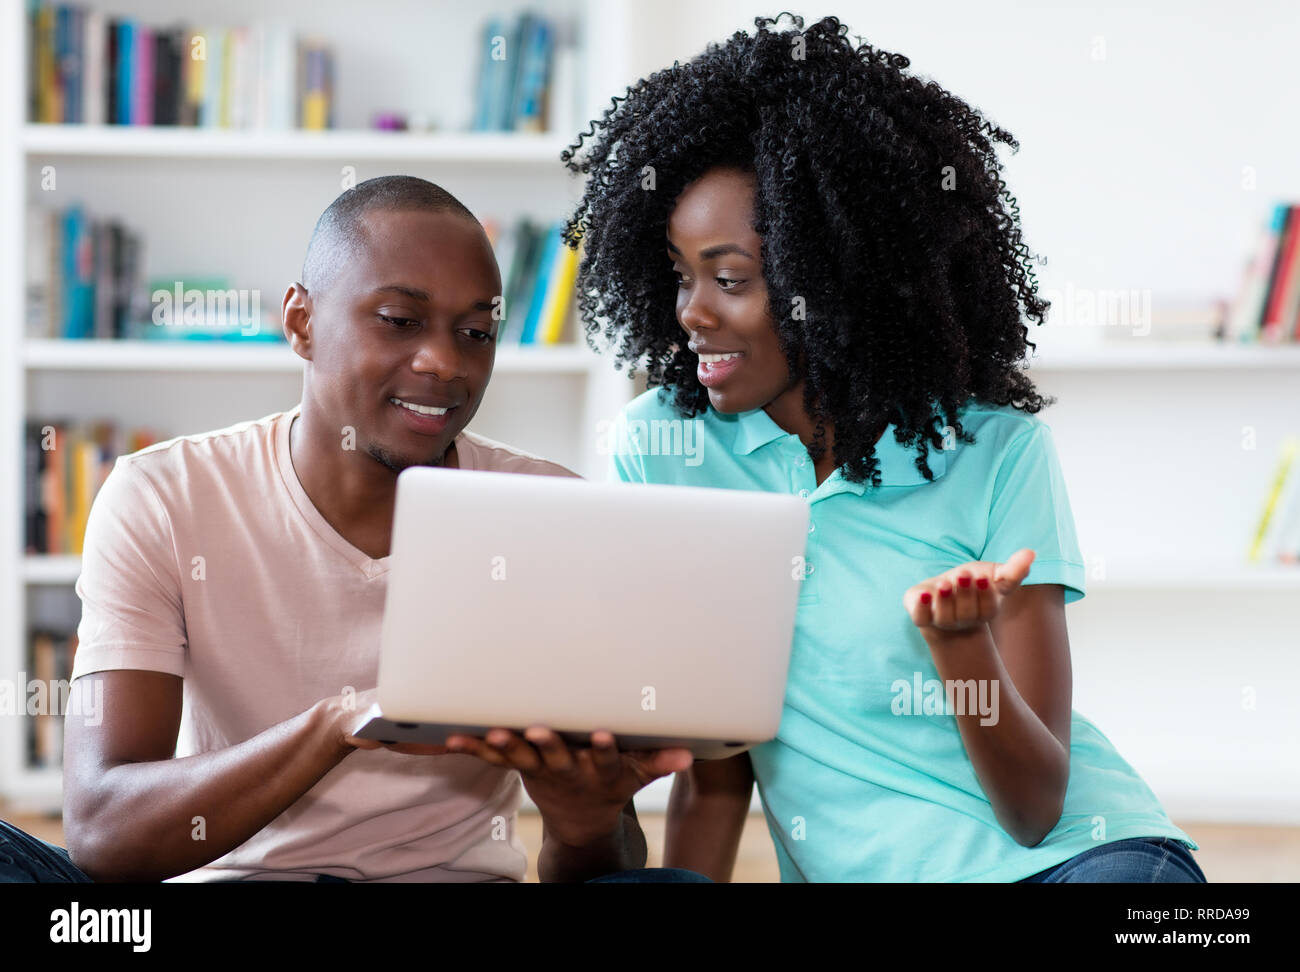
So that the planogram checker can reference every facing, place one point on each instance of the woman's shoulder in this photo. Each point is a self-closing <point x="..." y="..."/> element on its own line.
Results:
<point x="996" y="427"/>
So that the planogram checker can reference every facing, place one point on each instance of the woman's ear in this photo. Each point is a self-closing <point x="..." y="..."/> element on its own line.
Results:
<point x="295" y="318"/>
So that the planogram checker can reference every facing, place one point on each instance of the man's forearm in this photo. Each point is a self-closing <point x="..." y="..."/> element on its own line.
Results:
<point x="622" y="849"/>
<point x="153" y="820"/>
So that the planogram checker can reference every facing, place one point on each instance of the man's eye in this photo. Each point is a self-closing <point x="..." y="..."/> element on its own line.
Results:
<point x="482" y="337"/>
<point x="400" y="322"/>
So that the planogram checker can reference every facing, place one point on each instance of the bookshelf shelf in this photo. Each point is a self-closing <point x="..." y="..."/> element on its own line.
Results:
<point x="217" y="356"/>
<point x="51" y="568"/>
<point x="1203" y="578"/>
<point x="167" y="143"/>
<point x="1156" y="356"/>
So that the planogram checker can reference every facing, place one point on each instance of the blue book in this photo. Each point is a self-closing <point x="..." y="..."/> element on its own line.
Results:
<point x="488" y="76"/>
<point x="533" y="75"/>
<point x="545" y="266"/>
<point x="503" y="109"/>
<point x="125" y="71"/>
<point x="78" y="282"/>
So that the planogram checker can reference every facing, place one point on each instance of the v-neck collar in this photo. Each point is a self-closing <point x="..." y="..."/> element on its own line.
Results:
<point x="368" y="565"/>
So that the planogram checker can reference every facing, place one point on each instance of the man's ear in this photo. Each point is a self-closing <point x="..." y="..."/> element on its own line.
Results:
<point x="295" y="317"/>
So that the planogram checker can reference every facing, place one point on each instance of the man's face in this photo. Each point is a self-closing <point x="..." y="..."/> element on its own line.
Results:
<point x="406" y="331"/>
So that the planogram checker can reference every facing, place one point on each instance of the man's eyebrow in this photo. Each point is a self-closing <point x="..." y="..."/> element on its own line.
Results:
<point x="415" y="293"/>
<point x="709" y="253"/>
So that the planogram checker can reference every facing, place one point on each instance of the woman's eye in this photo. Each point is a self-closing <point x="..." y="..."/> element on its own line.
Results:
<point x="725" y="281"/>
<point x="482" y="337"/>
<point x="400" y="322"/>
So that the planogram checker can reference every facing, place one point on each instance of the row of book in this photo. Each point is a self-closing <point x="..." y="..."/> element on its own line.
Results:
<point x="50" y="657"/>
<point x="87" y="67"/>
<point x="537" y="272"/>
<point x="83" y="275"/>
<point x="1267" y="306"/>
<point x="1277" y="537"/>
<point x="64" y="465"/>
<point x="524" y="63"/>
<point x="84" y="279"/>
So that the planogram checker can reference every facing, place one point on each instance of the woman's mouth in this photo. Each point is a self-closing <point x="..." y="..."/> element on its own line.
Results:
<point x="715" y="368"/>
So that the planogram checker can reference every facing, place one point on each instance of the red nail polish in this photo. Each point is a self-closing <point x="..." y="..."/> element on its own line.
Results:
<point x="982" y="583"/>
<point x="945" y="592"/>
<point x="964" y="581"/>
<point x="925" y="597"/>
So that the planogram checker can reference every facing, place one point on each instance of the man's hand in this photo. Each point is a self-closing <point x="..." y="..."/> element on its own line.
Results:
<point x="349" y="711"/>
<point x="581" y="793"/>
<point x="965" y="598"/>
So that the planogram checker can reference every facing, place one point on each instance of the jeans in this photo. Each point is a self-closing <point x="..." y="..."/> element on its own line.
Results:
<point x="1139" y="860"/>
<point x="25" y="859"/>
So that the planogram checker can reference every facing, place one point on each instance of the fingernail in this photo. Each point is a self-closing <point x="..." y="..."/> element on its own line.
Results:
<point x="964" y="581"/>
<point x="925" y="597"/>
<point x="982" y="583"/>
<point x="945" y="592"/>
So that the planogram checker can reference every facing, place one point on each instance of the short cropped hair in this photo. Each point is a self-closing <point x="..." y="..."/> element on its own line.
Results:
<point x="339" y="231"/>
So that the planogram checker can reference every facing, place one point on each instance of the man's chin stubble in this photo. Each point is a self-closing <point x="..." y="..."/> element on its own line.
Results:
<point x="398" y="463"/>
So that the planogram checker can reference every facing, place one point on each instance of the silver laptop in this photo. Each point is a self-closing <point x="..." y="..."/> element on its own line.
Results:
<point x="663" y="614"/>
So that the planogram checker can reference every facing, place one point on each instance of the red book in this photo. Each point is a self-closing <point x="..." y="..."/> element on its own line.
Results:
<point x="1284" y="271"/>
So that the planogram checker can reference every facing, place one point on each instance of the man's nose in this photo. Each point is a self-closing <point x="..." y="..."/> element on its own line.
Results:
<point x="440" y="357"/>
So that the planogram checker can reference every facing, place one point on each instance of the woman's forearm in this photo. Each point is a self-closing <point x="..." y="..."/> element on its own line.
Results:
<point x="704" y="828"/>
<point x="1022" y="767"/>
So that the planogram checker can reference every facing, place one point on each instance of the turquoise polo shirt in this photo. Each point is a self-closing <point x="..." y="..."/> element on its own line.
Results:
<point x="866" y="781"/>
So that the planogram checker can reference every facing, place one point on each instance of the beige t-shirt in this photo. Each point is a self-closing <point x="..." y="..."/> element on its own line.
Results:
<point x="205" y="558"/>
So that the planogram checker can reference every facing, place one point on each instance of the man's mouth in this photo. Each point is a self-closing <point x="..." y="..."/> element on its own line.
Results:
<point x="423" y="419"/>
<point x="420" y="409"/>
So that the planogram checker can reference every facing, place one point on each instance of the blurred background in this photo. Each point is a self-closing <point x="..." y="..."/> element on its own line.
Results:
<point x="1156" y="181"/>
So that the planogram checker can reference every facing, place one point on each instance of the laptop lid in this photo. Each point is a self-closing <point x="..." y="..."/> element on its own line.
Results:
<point x="647" y="610"/>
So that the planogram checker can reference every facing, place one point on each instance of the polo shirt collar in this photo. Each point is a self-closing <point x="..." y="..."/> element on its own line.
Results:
<point x="756" y="429"/>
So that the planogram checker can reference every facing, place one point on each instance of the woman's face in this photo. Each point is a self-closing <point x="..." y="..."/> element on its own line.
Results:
<point x="722" y="297"/>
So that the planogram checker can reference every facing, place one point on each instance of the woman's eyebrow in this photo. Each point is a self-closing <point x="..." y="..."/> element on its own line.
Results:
<point x="710" y="252"/>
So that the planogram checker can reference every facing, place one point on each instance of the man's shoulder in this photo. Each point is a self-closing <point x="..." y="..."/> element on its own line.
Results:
<point x="489" y="455"/>
<point x="173" y="461"/>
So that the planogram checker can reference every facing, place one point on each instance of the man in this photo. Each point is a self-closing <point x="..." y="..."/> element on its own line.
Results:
<point x="243" y="572"/>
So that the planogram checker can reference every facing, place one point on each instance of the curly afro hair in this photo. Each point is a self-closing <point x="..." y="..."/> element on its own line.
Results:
<point x="878" y="200"/>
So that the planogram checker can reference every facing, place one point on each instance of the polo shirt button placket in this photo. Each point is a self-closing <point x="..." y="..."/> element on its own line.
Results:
<point x="799" y="483"/>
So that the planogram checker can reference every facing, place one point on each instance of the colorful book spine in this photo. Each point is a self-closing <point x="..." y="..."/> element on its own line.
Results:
<point x="550" y="250"/>
<point x="559" y="295"/>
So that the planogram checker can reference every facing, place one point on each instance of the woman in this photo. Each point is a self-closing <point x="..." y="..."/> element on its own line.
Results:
<point x="813" y="255"/>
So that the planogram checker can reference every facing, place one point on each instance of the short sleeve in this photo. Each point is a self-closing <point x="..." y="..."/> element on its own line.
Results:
<point x="1031" y="509"/>
<point x="131" y="612"/>
<point x="626" y="463"/>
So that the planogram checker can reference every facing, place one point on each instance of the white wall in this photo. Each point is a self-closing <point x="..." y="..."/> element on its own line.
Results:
<point x="1130" y="170"/>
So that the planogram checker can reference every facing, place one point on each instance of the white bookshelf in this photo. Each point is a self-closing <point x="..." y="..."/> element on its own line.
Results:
<point x="244" y="201"/>
<point x="106" y="141"/>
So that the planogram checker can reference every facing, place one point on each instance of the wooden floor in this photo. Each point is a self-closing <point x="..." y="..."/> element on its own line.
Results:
<point x="1229" y="852"/>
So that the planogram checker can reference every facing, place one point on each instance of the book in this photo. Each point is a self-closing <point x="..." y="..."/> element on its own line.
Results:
<point x="559" y="295"/>
<point x="64" y="466"/>
<point x="1271" y="512"/>
<point x="1252" y="299"/>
